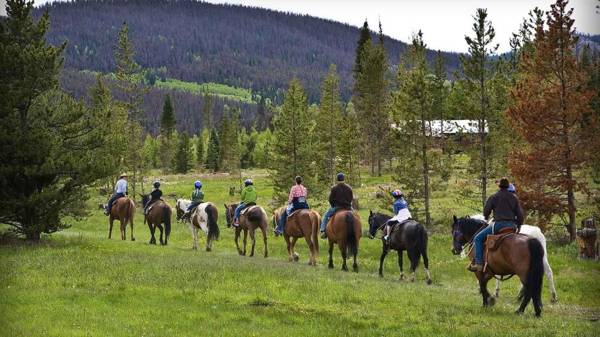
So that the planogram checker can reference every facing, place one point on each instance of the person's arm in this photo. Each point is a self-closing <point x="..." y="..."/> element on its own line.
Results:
<point x="519" y="214"/>
<point x="244" y="194"/>
<point x="331" y="197"/>
<point x="487" y="210"/>
<point x="291" y="195"/>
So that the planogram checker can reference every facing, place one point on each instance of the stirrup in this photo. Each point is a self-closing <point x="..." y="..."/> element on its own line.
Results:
<point x="323" y="235"/>
<point x="474" y="267"/>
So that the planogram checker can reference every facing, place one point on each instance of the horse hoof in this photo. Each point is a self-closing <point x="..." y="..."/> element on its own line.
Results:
<point x="296" y="258"/>
<point x="401" y="277"/>
<point x="208" y="249"/>
<point x="491" y="301"/>
<point x="429" y="281"/>
<point x="132" y="239"/>
<point x="519" y="312"/>
<point x="355" y="269"/>
<point x="554" y="299"/>
<point x="330" y="266"/>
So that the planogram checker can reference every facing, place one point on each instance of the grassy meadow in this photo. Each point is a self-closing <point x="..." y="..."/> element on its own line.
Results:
<point x="79" y="283"/>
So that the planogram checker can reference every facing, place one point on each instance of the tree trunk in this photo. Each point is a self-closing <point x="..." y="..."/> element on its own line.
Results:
<point x="425" y="170"/>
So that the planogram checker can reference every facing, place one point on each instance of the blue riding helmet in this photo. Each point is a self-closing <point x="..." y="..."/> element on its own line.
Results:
<point x="396" y="193"/>
<point x="156" y="184"/>
<point x="512" y="188"/>
<point x="340" y="176"/>
<point x="248" y="182"/>
<point x="198" y="184"/>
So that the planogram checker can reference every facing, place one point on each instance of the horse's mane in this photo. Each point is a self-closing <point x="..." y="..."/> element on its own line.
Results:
<point x="382" y="216"/>
<point x="470" y="225"/>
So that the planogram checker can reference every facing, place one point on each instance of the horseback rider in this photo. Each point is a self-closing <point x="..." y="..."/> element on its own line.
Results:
<point x="197" y="199"/>
<point x="155" y="196"/>
<point x="507" y="214"/>
<point x="296" y="200"/>
<point x="340" y="197"/>
<point x="248" y="197"/>
<point x="120" y="191"/>
<point x="401" y="212"/>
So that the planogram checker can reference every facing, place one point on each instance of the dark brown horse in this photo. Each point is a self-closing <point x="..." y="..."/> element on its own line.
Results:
<point x="159" y="213"/>
<point x="344" y="229"/>
<point x="303" y="223"/>
<point x="254" y="217"/>
<point x="513" y="254"/>
<point x="123" y="209"/>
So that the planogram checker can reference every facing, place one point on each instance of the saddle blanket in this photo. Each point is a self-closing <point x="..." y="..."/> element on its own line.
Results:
<point x="247" y="209"/>
<point x="403" y="215"/>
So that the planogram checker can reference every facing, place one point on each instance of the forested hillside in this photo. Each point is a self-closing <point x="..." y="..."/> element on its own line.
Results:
<point x="243" y="47"/>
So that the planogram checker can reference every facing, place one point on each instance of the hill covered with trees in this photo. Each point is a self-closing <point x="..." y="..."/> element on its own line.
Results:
<point x="192" y="41"/>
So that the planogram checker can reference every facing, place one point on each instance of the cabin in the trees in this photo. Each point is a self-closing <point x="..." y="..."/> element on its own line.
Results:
<point x="462" y="131"/>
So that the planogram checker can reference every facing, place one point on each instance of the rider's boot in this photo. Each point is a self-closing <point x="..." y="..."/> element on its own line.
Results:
<point x="475" y="267"/>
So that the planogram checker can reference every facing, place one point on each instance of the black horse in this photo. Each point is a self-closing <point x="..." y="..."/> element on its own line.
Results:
<point x="409" y="235"/>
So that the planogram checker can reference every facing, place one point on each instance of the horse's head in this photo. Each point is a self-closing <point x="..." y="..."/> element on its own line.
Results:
<point x="374" y="223"/>
<point x="229" y="212"/>
<point x="458" y="239"/>
<point x="145" y="199"/>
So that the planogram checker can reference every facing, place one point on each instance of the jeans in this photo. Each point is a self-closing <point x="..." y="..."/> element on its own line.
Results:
<point x="191" y="206"/>
<point x="236" y="213"/>
<point x="326" y="217"/>
<point x="112" y="200"/>
<point x="482" y="235"/>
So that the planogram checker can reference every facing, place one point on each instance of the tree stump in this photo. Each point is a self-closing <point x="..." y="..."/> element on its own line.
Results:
<point x="586" y="239"/>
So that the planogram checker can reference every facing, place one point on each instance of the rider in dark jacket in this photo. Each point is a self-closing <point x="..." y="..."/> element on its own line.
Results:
<point x="340" y="197"/>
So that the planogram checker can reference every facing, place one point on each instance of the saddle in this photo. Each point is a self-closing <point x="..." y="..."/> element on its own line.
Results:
<point x="247" y="208"/>
<point x="396" y="225"/>
<point x="492" y="242"/>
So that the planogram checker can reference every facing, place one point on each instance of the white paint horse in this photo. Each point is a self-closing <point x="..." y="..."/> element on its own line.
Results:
<point x="534" y="232"/>
<point x="204" y="217"/>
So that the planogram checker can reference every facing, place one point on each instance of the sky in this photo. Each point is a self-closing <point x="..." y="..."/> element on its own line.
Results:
<point x="444" y="22"/>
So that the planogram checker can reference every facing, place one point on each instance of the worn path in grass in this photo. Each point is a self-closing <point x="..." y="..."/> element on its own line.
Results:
<point x="78" y="283"/>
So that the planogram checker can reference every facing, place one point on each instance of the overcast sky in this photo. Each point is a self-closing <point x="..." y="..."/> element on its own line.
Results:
<point x="443" y="22"/>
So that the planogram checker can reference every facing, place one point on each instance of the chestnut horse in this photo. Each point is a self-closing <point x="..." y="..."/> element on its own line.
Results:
<point x="514" y="254"/>
<point x="159" y="213"/>
<point x="122" y="209"/>
<point x="344" y="229"/>
<point x="303" y="223"/>
<point x="252" y="218"/>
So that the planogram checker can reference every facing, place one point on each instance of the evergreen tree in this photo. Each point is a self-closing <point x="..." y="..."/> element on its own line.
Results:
<point x="327" y="132"/>
<point x="200" y="149"/>
<point x="349" y="145"/>
<point x="167" y="141"/>
<point x="229" y="140"/>
<point x="184" y="154"/>
<point x="212" y="153"/>
<point x="292" y="153"/>
<point x="478" y="72"/>
<point x="207" y="111"/>
<point x="150" y="152"/>
<point x="549" y="106"/>
<point x="364" y="39"/>
<point x="49" y="141"/>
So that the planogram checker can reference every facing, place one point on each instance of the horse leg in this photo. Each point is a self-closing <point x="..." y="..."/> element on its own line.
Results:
<point x="264" y="233"/>
<point x="295" y="255"/>
<point x="311" y="247"/>
<point x="483" y="280"/>
<point x="413" y="256"/>
<point x="237" y="237"/>
<point x="123" y="229"/>
<point x="550" y="276"/>
<point x="152" y="239"/>
<point x="401" y="263"/>
<point x="110" y="226"/>
<point x="344" y="251"/>
<point x="194" y="236"/>
<point x="160" y="228"/>
<point x="289" y="247"/>
<point x="330" y="265"/>
<point x="354" y="264"/>
<point x="131" y="225"/>
<point x="384" y="253"/>
<point x="253" y="241"/>
<point x="497" y="292"/>
<point x="426" y="265"/>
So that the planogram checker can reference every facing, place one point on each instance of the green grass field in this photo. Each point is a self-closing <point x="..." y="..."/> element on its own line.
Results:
<point x="79" y="283"/>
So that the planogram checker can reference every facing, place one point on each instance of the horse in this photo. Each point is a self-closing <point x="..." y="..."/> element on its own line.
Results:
<point x="301" y="223"/>
<point x="409" y="235"/>
<point x="513" y="254"/>
<point x="122" y="209"/>
<point x="204" y="217"/>
<point x="471" y="225"/>
<point x="159" y="213"/>
<point x="344" y="228"/>
<point x="253" y="217"/>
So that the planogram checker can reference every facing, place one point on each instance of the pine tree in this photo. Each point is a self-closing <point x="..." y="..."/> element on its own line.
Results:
<point x="212" y="153"/>
<point x="200" y="149"/>
<point x="167" y="140"/>
<point x="548" y="103"/>
<point x="292" y="153"/>
<point x="49" y="140"/>
<point x="348" y="146"/>
<point x="207" y="111"/>
<point x="476" y="67"/>
<point x="229" y="146"/>
<point x="364" y="39"/>
<point x="327" y="132"/>
<point x="184" y="154"/>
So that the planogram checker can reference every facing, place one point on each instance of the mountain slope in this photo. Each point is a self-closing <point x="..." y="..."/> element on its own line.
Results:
<point x="243" y="47"/>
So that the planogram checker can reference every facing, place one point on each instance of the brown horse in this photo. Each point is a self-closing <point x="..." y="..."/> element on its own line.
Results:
<point x="159" y="213"/>
<point x="254" y="217"/>
<point x="303" y="223"/>
<point x="344" y="229"/>
<point x="122" y="209"/>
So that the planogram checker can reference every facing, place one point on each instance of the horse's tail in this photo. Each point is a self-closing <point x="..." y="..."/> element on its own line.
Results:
<point x="315" y="229"/>
<point x="167" y="219"/>
<point x="130" y="210"/>
<point x="351" y="241"/>
<point x="533" y="285"/>
<point x="213" y="226"/>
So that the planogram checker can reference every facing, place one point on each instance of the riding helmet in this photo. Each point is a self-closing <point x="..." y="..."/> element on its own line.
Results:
<point x="340" y="176"/>
<point x="156" y="184"/>
<point x="248" y="182"/>
<point x="512" y="188"/>
<point x="198" y="184"/>
<point x="396" y="193"/>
